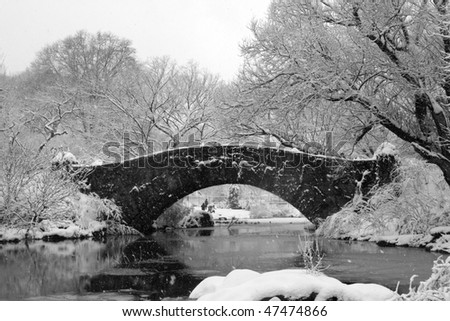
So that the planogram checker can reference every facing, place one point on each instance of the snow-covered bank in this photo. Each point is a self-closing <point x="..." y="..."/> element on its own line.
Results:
<point x="247" y="285"/>
<point x="48" y="230"/>
<point x="412" y="211"/>
<point x="438" y="240"/>
<point x="226" y="215"/>
<point x="92" y="218"/>
<point x="230" y="213"/>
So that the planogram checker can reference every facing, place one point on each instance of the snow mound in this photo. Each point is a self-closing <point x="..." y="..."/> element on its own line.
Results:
<point x="208" y="285"/>
<point x="247" y="285"/>
<point x="64" y="158"/>
<point x="386" y="149"/>
<point x="440" y="230"/>
<point x="97" y="162"/>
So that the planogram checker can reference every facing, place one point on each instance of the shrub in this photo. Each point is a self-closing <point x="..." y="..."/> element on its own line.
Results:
<point x="436" y="288"/>
<point x="93" y="208"/>
<point x="173" y="215"/>
<point x="312" y="254"/>
<point x="30" y="191"/>
<point x="233" y="197"/>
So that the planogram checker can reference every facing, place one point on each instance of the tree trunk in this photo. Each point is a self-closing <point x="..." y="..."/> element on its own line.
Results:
<point x="435" y="158"/>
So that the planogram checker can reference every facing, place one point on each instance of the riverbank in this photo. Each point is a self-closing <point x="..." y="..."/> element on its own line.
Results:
<point x="92" y="218"/>
<point x="437" y="240"/>
<point x="413" y="210"/>
<point x="53" y="231"/>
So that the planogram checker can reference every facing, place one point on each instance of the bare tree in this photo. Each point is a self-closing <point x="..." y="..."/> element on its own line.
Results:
<point x="85" y="59"/>
<point x="29" y="190"/>
<point x="164" y="98"/>
<point x="79" y="66"/>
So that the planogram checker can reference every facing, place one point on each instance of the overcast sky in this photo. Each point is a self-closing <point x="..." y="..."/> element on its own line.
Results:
<point x="206" y="31"/>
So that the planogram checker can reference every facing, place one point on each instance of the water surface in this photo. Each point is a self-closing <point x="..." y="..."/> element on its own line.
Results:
<point x="170" y="264"/>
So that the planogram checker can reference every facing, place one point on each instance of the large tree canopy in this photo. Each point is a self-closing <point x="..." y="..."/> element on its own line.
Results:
<point x="89" y="59"/>
<point x="387" y="61"/>
<point x="63" y="81"/>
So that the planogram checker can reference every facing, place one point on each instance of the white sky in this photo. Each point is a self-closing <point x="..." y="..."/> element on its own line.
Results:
<point x="206" y="31"/>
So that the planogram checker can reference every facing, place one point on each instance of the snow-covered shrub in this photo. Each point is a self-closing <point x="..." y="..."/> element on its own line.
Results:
<point x="233" y="197"/>
<point x="30" y="191"/>
<point x="418" y="200"/>
<point x="33" y="192"/>
<point x="63" y="159"/>
<point x="172" y="216"/>
<point x="436" y="288"/>
<point x="91" y="208"/>
<point x="196" y="219"/>
<point x="312" y="254"/>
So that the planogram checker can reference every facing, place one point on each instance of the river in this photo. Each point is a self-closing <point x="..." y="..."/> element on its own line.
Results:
<point x="168" y="265"/>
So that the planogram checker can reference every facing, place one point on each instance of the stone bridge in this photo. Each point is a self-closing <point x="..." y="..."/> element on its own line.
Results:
<point x="316" y="185"/>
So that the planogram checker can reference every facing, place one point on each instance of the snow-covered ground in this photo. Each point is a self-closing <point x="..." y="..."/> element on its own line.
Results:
<point x="244" y="215"/>
<point x="89" y="223"/>
<point x="438" y="240"/>
<point x="51" y="230"/>
<point x="295" y="284"/>
<point x="278" y="220"/>
<point x="229" y="213"/>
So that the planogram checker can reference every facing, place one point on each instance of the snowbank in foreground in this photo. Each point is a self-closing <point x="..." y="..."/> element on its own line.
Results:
<point x="247" y="285"/>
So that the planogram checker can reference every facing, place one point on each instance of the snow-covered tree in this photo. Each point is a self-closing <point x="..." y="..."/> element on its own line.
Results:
<point x="378" y="65"/>
<point x="233" y="197"/>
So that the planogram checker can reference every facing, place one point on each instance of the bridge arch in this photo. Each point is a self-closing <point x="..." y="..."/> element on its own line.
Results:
<point x="316" y="185"/>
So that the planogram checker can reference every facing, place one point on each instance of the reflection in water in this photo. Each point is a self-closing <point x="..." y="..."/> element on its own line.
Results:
<point x="149" y="270"/>
<point x="171" y="264"/>
<point x="44" y="268"/>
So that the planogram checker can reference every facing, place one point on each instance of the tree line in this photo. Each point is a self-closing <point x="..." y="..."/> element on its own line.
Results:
<point x="366" y="71"/>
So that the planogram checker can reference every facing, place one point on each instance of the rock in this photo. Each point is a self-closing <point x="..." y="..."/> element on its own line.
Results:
<point x="198" y="219"/>
<point x="97" y="162"/>
<point x="63" y="159"/>
<point x="386" y="149"/>
<point x="390" y="240"/>
<point x="407" y="239"/>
